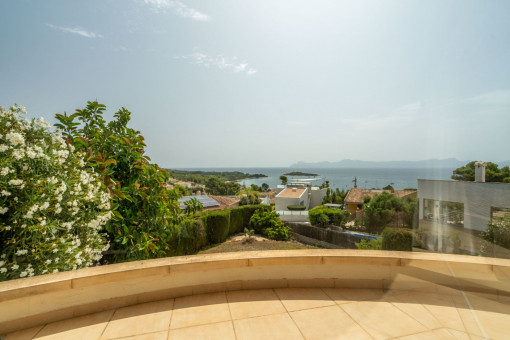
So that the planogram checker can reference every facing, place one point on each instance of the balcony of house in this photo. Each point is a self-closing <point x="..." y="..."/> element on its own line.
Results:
<point x="311" y="294"/>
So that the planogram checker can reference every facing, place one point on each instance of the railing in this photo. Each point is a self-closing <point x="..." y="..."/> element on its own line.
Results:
<point x="293" y="213"/>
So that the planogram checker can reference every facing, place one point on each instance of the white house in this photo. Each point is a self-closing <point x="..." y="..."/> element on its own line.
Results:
<point x="298" y="193"/>
<point x="465" y="208"/>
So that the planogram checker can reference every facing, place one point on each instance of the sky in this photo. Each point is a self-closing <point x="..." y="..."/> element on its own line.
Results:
<point x="268" y="83"/>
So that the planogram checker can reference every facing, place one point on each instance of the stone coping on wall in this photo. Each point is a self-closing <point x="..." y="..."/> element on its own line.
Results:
<point x="33" y="301"/>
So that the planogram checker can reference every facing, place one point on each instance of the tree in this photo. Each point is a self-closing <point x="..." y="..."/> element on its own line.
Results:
<point x="265" y="187"/>
<point x="283" y="179"/>
<point x="492" y="173"/>
<point x="388" y="187"/>
<point x="379" y="212"/>
<point x="337" y="196"/>
<point x="144" y="212"/>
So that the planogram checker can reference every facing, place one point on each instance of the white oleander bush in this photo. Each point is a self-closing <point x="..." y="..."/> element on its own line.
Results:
<point x="52" y="207"/>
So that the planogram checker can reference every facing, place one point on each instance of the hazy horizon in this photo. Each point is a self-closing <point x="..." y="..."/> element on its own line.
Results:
<point x="267" y="84"/>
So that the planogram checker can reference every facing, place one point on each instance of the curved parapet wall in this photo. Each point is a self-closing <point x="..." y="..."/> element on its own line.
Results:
<point x="43" y="299"/>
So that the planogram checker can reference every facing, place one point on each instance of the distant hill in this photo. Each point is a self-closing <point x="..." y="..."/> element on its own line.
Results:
<point x="350" y="163"/>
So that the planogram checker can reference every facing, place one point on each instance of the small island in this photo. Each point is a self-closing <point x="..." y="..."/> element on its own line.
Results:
<point x="202" y="176"/>
<point x="299" y="173"/>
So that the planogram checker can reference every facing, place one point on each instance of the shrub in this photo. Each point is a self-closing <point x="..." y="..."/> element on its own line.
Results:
<point x="370" y="244"/>
<point x="322" y="215"/>
<point x="188" y="238"/>
<point x="144" y="211"/>
<point x="497" y="233"/>
<point x="263" y="219"/>
<point x="52" y="207"/>
<point x="380" y="211"/>
<point x="217" y="225"/>
<point x="296" y="207"/>
<point x="279" y="232"/>
<point x="397" y="239"/>
<point x="240" y="216"/>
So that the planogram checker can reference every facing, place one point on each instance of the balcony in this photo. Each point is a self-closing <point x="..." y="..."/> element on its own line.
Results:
<point x="273" y="294"/>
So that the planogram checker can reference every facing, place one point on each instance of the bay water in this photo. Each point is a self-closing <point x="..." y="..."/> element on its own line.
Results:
<point x="342" y="178"/>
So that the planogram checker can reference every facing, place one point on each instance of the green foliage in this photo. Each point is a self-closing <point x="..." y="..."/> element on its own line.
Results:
<point x="284" y="179"/>
<point x="321" y="216"/>
<point x="249" y="197"/>
<point x="52" y="206"/>
<point x="336" y="196"/>
<point x="188" y="238"/>
<point x="388" y="187"/>
<point x="263" y="219"/>
<point x="370" y="244"/>
<point x="296" y="207"/>
<point x="144" y="211"/>
<point x="497" y="233"/>
<point x="217" y="225"/>
<point x="240" y="216"/>
<point x="279" y="232"/>
<point x="379" y="212"/>
<point x="215" y="186"/>
<point x="201" y="177"/>
<point x="492" y="173"/>
<point x="397" y="239"/>
<point x="324" y="185"/>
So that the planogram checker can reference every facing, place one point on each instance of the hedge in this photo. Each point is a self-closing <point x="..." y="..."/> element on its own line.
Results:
<point x="217" y="225"/>
<point x="296" y="207"/>
<point x="240" y="216"/>
<point x="397" y="239"/>
<point x="334" y="216"/>
<point x="188" y="238"/>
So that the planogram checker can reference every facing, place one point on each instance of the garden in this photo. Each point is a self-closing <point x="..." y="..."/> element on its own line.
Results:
<point x="87" y="194"/>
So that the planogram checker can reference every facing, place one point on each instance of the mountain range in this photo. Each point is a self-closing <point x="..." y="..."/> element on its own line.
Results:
<point x="350" y="163"/>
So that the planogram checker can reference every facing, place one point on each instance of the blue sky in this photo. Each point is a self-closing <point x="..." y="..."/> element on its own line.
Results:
<point x="269" y="83"/>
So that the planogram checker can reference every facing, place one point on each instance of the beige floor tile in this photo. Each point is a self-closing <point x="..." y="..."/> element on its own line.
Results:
<point x="274" y="327"/>
<point x="382" y="320"/>
<point x="346" y="295"/>
<point x="84" y="327"/>
<point x="249" y="303"/>
<point x="26" y="334"/>
<point x="407" y="302"/>
<point x="494" y="325"/>
<point x="139" y="319"/>
<point x="436" y="334"/>
<point x="443" y="308"/>
<point x="150" y="336"/>
<point x="303" y="298"/>
<point x="200" y="310"/>
<point x="328" y="323"/>
<point x="213" y="331"/>
<point x="458" y="334"/>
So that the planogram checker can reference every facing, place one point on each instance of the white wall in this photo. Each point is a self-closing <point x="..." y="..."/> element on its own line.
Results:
<point x="281" y="203"/>
<point x="478" y="198"/>
<point x="316" y="197"/>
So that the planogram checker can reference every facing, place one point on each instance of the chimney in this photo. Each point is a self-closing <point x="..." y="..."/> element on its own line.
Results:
<point x="294" y="189"/>
<point x="480" y="172"/>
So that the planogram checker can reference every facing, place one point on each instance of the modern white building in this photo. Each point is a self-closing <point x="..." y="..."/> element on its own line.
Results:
<point x="465" y="208"/>
<point x="298" y="193"/>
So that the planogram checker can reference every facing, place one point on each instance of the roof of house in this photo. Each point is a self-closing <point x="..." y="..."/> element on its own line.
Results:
<point x="356" y="195"/>
<point x="207" y="202"/>
<point x="225" y="201"/>
<point x="291" y="192"/>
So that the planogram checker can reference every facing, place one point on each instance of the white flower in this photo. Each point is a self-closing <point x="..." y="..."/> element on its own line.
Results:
<point x="5" y="193"/>
<point x="5" y="171"/>
<point x="2" y="263"/>
<point x="23" y="274"/>
<point x="3" y="270"/>
<point x="3" y="210"/>
<point x="15" y="138"/>
<point x="16" y="182"/>
<point x="18" y="154"/>
<point x="15" y="267"/>
<point x="3" y="148"/>
<point x="21" y="252"/>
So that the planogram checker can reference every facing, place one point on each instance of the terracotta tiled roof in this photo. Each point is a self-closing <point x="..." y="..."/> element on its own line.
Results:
<point x="225" y="201"/>
<point x="356" y="195"/>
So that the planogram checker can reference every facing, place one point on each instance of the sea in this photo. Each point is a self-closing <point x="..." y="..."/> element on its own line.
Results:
<point x="343" y="178"/>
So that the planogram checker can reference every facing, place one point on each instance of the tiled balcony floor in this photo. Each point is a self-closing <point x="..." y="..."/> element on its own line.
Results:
<point x="295" y="313"/>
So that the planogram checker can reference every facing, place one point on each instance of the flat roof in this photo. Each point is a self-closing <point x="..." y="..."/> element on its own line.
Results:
<point x="292" y="192"/>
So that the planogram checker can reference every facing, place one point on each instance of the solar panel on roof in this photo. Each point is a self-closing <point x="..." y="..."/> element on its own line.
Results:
<point x="205" y="200"/>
